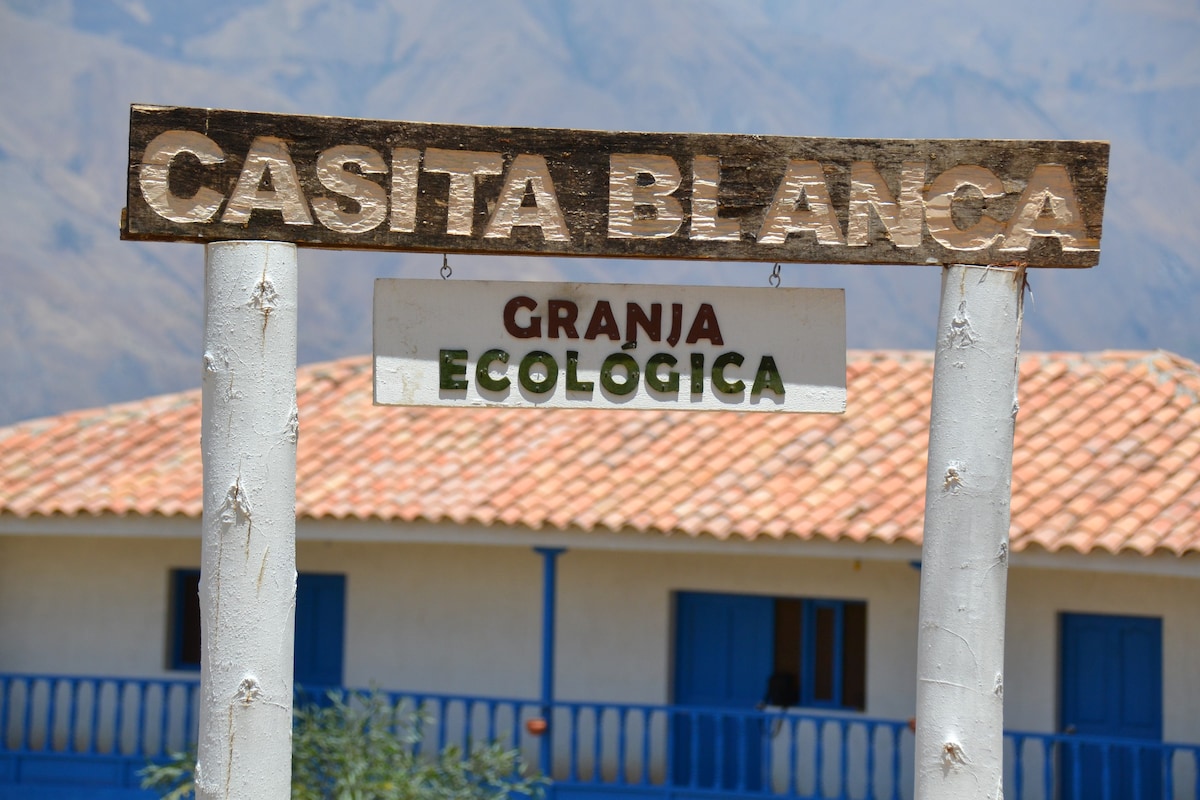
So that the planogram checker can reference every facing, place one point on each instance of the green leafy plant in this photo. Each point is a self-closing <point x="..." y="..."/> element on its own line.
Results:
<point x="360" y="746"/>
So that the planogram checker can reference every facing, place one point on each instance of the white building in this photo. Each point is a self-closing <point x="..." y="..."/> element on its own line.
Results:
<point x="697" y="559"/>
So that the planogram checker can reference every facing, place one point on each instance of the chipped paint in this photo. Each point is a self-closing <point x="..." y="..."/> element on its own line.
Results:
<point x="248" y="560"/>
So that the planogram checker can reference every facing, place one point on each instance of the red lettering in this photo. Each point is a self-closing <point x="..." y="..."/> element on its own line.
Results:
<point x="635" y="317"/>
<point x="705" y="326"/>
<point x="603" y="323"/>
<point x="563" y="314"/>
<point x="531" y="331"/>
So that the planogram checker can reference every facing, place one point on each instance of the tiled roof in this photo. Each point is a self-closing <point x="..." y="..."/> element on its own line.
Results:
<point x="1107" y="458"/>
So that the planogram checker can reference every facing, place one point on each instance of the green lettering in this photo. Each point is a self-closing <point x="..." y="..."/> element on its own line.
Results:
<point x="451" y="374"/>
<point x="697" y="373"/>
<point x="718" y="374"/>
<point x="529" y="381"/>
<point x="767" y="377"/>
<point x="483" y="373"/>
<point x="573" y="382"/>
<point x="671" y="384"/>
<point x="626" y="362"/>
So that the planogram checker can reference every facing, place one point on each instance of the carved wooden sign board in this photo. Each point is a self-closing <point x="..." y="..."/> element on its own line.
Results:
<point x="209" y="175"/>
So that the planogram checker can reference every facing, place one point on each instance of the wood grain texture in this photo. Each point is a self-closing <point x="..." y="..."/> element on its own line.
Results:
<point x="423" y="207"/>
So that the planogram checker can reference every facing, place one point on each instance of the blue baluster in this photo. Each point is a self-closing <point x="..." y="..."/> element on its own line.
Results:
<point x="52" y="689"/>
<point x="468" y="708"/>
<point x="440" y="723"/>
<point x="1076" y="770"/>
<point x="819" y="759"/>
<point x="622" y="762"/>
<point x="1195" y="754"/>
<point x="793" y="765"/>
<point x="1106" y="771"/>
<point x="597" y="741"/>
<point x="515" y="716"/>
<point x="4" y="689"/>
<point x="897" y="735"/>
<point x="72" y="743"/>
<point x="141" y="696"/>
<point x="647" y="722"/>
<point x="872" y="733"/>
<point x="843" y="761"/>
<point x="1049" y="748"/>
<point x="118" y="718"/>
<point x="1018" y="767"/>
<point x="25" y="732"/>
<point x="1168" y="759"/>
<point x="93" y="717"/>
<point x="163" y="720"/>
<point x="573" y="769"/>
<point x="191" y="722"/>
<point x="1136" y="755"/>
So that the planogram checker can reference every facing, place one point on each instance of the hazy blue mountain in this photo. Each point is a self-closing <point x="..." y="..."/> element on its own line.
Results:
<point x="87" y="319"/>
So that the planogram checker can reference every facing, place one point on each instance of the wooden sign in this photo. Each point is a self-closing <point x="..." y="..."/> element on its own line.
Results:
<point x="568" y="345"/>
<point x="207" y="175"/>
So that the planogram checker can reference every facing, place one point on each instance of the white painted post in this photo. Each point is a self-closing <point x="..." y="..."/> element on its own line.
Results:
<point x="248" y="560"/>
<point x="964" y="565"/>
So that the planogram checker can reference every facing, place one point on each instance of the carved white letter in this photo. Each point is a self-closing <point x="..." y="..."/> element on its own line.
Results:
<point x="803" y="183"/>
<point x="1048" y="185"/>
<point x="463" y="167"/>
<point x="706" y="224"/>
<point x="370" y="196"/>
<point x="156" y="168"/>
<point x="528" y="172"/>
<point x="626" y="193"/>
<point x="268" y="156"/>
<point x="938" y="211"/>
<point x="405" y="164"/>
<point x="868" y="190"/>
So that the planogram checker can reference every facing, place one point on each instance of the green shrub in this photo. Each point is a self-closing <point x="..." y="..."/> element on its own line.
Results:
<point x="362" y="747"/>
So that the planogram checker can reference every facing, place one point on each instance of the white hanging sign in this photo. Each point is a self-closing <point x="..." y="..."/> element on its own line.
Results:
<point x="571" y="345"/>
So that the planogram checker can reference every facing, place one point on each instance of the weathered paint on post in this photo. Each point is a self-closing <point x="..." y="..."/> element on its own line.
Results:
<point x="964" y="563"/>
<point x="250" y="426"/>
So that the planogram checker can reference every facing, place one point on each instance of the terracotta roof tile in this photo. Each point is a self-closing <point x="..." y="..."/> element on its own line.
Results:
<point x="1106" y="458"/>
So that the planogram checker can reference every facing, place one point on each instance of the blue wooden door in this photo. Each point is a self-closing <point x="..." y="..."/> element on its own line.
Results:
<point x="1111" y="686"/>
<point x="320" y="629"/>
<point x="724" y="653"/>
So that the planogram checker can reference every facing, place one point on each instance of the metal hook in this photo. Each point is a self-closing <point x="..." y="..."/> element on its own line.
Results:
<point x="446" y="271"/>
<point x="775" y="279"/>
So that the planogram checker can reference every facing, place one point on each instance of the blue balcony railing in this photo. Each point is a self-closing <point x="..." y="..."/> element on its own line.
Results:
<point x="95" y="733"/>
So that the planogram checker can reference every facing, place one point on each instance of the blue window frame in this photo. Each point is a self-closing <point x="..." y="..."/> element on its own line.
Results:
<point x="833" y="654"/>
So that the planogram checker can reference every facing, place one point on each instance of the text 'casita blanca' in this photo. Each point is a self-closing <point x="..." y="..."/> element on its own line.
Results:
<point x="649" y="195"/>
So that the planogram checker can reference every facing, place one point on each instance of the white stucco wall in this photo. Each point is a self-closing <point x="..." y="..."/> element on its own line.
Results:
<point x="453" y="619"/>
<point x="1035" y="599"/>
<point x="81" y="605"/>
<point x="619" y="605"/>
<point x="466" y="618"/>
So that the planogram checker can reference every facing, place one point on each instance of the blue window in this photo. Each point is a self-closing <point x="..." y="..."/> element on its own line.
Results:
<point x="827" y="650"/>
<point x="320" y="626"/>
<point x="807" y="652"/>
<point x="185" y="620"/>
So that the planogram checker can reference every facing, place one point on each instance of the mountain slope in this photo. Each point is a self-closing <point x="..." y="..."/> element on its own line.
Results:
<point x="87" y="319"/>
